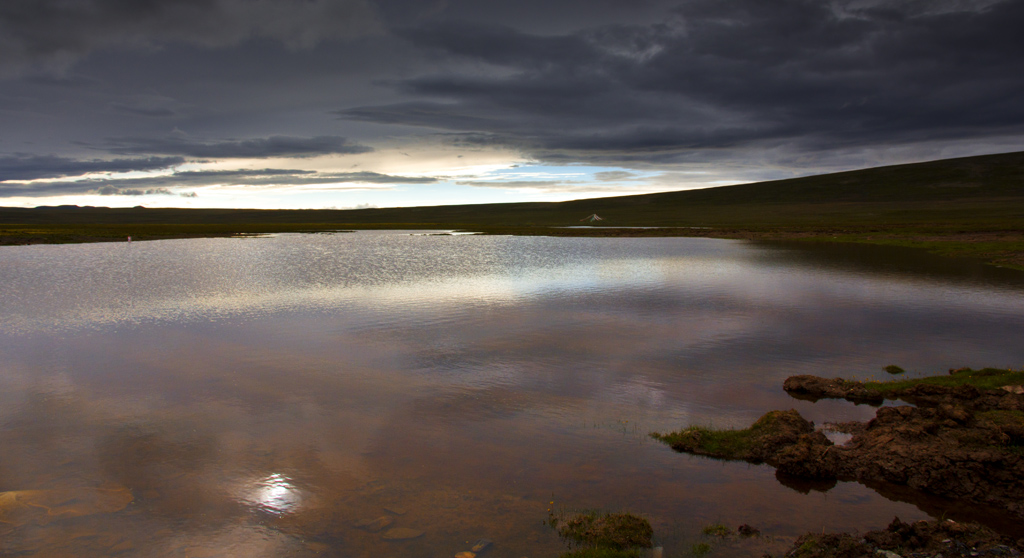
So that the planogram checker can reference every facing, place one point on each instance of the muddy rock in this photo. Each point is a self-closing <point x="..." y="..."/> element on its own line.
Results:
<point x="920" y="539"/>
<point x="747" y="531"/>
<point x="809" y="458"/>
<point x="944" y="451"/>
<point x="814" y="387"/>
<point x="778" y="430"/>
<point x="948" y="451"/>
<point x="960" y="442"/>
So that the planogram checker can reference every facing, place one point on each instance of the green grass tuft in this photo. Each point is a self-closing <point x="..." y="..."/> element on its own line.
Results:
<point x="716" y="530"/>
<point x="727" y="442"/>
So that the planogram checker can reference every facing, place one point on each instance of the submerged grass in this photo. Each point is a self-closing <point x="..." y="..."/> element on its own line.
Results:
<point x="597" y="534"/>
<point x="608" y="530"/>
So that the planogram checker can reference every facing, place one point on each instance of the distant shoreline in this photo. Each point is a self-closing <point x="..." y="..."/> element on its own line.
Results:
<point x="1001" y="248"/>
<point x="966" y="207"/>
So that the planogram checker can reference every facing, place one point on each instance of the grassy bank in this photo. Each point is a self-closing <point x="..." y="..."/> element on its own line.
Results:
<point x="959" y="207"/>
<point x="986" y="378"/>
<point x="747" y="444"/>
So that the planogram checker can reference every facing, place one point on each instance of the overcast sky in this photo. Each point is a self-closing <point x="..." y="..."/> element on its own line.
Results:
<point x="357" y="103"/>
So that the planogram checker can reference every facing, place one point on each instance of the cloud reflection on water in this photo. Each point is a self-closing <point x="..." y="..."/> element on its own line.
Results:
<point x="463" y="379"/>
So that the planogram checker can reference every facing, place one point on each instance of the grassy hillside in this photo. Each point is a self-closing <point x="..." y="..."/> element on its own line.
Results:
<point x="972" y="205"/>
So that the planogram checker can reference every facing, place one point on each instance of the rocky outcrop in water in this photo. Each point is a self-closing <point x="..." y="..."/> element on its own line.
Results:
<point x="960" y="442"/>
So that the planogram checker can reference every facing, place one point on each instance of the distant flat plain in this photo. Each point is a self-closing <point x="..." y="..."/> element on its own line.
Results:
<point x="968" y="207"/>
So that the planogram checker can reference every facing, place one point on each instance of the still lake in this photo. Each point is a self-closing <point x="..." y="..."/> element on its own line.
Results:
<point x="261" y="396"/>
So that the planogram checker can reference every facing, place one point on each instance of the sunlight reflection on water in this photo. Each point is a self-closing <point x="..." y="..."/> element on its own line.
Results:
<point x="274" y="494"/>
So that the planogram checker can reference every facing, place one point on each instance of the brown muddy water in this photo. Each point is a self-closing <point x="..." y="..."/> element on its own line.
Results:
<point x="381" y="394"/>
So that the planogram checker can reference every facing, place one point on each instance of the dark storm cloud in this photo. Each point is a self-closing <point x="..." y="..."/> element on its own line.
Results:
<point x="152" y="112"/>
<point x="23" y="166"/>
<point x="108" y="190"/>
<point x="167" y="184"/>
<point x="762" y="88"/>
<point x="611" y="176"/>
<point x="543" y="16"/>
<point x="56" y="31"/>
<point x="725" y="75"/>
<point x="366" y="177"/>
<point x="259" y="148"/>
<point x="261" y="177"/>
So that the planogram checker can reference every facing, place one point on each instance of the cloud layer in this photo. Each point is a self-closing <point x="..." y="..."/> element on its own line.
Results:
<point x="373" y="91"/>
<point x="174" y="183"/>
<point x="725" y="75"/>
<point x="23" y="166"/>
<point x="257" y="148"/>
<point x="60" y="31"/>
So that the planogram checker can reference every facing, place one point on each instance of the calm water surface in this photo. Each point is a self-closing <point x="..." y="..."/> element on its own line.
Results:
<point x="259" y="397"/>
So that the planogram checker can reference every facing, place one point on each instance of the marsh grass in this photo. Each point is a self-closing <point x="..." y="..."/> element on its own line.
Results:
<point x="609" y="530"/>
<point x="986" y="378"/>
<point x="729" y="443"/>
<point x="716" y="530"/>
<point x="726" y="442"/>
<point x="700" y="549"/>
<point x="597" y="534"/>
